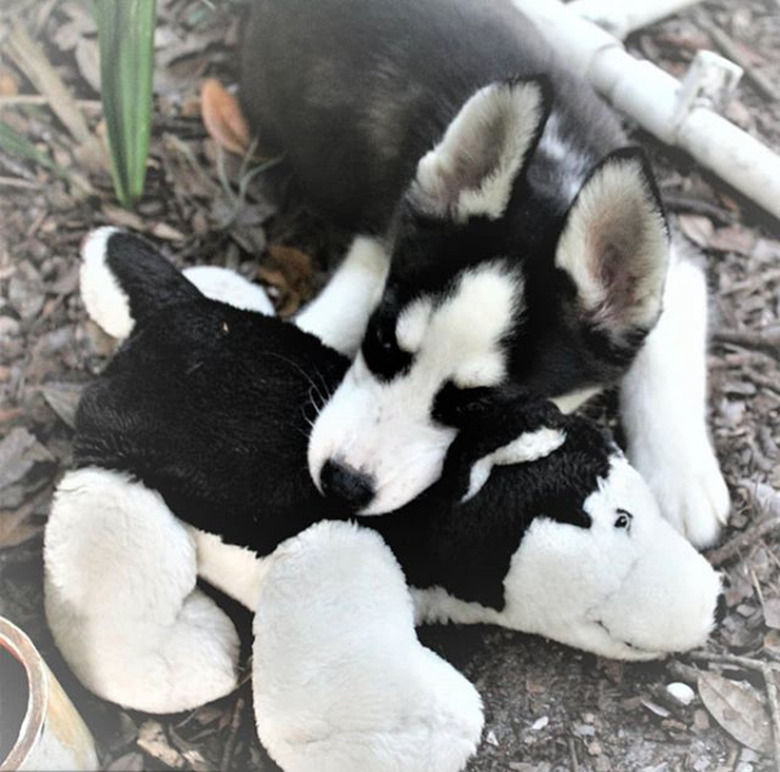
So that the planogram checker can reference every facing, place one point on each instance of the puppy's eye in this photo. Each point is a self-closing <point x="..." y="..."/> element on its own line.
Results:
<point x="455" y="407"/>
<point x="385" y="337"/>
<point x="623" y="519"/>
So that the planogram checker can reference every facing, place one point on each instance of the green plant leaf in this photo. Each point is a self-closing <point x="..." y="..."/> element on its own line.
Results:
<point x="126" y="37"/>
<point x="14" y="143"/>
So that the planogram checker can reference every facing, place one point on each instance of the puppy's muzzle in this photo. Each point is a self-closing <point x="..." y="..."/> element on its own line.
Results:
<point x="346" y="485"/>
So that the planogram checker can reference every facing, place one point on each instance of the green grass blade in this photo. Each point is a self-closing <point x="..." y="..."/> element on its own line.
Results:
<point x="14" y="143"/>
<point x="126" y="37"/>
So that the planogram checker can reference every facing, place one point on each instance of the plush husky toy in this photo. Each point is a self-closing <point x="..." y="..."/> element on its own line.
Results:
<point x="191" y="461"/>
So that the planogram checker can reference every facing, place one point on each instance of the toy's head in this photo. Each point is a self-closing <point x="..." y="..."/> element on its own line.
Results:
<point x="571" y="546"/>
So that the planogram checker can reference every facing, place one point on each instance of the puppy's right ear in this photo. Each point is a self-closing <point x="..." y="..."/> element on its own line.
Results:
<point x="124" y="279"/>
<point x="473" y="168"/>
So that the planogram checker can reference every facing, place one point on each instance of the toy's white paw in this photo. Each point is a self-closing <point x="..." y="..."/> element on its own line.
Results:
<point x="341" y="683"/>
<point x="689" y="487"/>
<point x="198" y="658"/>
<point x="146" y="665"/>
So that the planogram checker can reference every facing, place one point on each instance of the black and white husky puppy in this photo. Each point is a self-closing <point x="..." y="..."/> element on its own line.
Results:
<point x="528" y="248"/>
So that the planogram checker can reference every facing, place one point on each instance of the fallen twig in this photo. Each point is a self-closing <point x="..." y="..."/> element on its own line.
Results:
<point x="235" y="725"/>
<point x="747" y="538"/>
<point x="767" y="339"/>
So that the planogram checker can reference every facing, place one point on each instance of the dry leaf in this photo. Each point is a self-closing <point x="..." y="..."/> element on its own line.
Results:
<point x="735" y="238"/>
<point x="697" y="228"/>
<point x="63" y="399"/>
<point x="223" y="118"/>
<point x="291" y="273"/>
<point x="772" y="613"/>
<point x="15" y="459"/>
<point x="15" y="527"/>
<point x="737" y="709"/>
<point x="88" y="60"/>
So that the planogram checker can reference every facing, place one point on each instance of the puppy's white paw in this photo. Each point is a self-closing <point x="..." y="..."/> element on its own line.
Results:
<point x="689" y="487"/>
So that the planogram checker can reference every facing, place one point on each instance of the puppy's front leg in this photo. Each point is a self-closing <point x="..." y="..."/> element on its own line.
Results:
<point x="339" y="314"/>
<point x="340" y="681"/>
<point x="663" y="410"/>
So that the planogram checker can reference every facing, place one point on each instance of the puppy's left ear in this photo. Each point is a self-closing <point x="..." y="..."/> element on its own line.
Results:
<point x="472" y="169"/>
<point x="615" y="247"/>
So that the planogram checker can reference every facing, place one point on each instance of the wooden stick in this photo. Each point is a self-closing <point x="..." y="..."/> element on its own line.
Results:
<point x="746" y="539"/>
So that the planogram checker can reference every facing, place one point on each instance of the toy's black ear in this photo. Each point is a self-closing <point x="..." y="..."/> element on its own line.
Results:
<point x="525" y="431"/>
<point x="124" y="279"/>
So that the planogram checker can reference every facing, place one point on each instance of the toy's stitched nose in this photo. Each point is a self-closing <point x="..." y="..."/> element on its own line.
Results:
<point x="346" y="484"/>
<point x="720" y="609"/>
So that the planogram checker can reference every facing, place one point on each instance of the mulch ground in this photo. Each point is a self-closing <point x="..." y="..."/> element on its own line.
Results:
<point x="547" y="707"/>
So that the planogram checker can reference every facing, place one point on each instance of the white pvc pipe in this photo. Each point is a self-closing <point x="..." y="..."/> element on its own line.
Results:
<point x="622" y="17"/>
<point x="678" y="114"/>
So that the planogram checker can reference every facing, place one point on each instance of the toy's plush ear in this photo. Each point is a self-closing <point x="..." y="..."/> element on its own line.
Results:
<point x="472" y="170"/>
<point x="524" y="432"/>
<point x="124" y="279"/>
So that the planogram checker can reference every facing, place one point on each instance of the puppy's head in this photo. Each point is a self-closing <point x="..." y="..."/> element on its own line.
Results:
<point x="482" y="300"/>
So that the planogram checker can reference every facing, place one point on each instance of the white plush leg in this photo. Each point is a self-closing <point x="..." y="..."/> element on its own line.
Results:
<point x="339" y="314"/>
<point x="664" y="412"/>
<point x="229" y="287"/>
<point x="341" y="683"/>
<point x="121" y="598"/>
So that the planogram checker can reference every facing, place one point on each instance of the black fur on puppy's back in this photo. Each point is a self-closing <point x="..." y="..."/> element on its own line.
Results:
<point x="206" y="392"/>
<point x="354" y="92"/>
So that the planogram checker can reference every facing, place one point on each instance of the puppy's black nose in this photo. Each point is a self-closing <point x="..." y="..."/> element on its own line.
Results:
<point x="346" y="484"/>
<point x="720" y="609"/>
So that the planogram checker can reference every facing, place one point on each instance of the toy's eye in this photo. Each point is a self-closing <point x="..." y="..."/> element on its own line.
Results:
<point x="624" y="519"/>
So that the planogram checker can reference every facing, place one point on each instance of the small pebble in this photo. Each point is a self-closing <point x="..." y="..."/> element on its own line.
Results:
<point x="540" y="723"/>
<point x="681" y="692"/>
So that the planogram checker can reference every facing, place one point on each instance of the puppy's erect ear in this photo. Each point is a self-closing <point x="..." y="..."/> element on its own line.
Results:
<point x="472" y="170"/>
<point x="124" y="278"/>
<point x="615" y="247"/>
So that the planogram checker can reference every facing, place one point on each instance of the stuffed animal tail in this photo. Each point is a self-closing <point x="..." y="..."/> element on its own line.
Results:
<point x="124" y="279"/>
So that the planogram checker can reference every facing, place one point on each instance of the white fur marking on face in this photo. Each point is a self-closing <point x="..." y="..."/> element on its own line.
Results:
<point x="615" y="247"/>
<point x="227" y="286"/>
<point x="106" y="303"/>
<point x="472" y="170"/>
<point x="527" y="447"/>
<point x="413" y="324"/>
<point x="385" y="429"/>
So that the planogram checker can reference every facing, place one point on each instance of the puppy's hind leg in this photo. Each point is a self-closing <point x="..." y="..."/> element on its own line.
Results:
<point x="121" y="598"/>
<point x="339" y="314"/>
<point x="341" y="683"/>
<point x="663" y="410"/>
